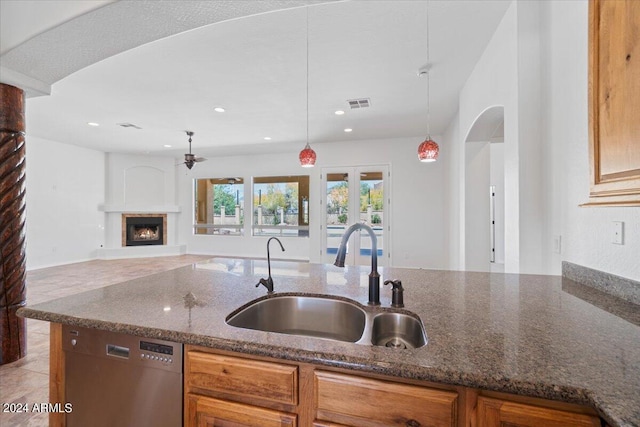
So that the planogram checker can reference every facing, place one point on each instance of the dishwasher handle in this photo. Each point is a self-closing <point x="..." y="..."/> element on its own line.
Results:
<point x="117" y="351"/>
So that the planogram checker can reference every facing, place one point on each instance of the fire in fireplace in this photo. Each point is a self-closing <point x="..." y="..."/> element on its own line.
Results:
<point x="144" y="231"/>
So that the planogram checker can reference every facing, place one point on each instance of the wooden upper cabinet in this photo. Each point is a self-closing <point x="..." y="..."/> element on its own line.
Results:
<point x="614" y="102"/>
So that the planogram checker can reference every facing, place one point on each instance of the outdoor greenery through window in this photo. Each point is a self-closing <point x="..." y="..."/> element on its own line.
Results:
<point x="371" y="198"/>
<point x="219" y="206"/>
<point x="281" y="206"/>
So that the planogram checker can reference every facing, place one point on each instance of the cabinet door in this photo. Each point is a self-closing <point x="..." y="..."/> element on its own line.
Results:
<point x="501" y="413"/>
<point x="614" y="102"/>
<point x="265" y="381"/>
<point x="363" y="402"/>
<point x="207" y="412"/>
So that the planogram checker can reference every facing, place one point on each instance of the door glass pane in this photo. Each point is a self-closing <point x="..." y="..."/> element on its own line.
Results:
<point x="337" y="212"/>
<point x="371" y="212"/>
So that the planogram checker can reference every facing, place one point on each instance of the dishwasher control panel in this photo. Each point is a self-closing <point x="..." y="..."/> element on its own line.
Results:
<point x="123" y="348"/>
<point x="156" y="351"/>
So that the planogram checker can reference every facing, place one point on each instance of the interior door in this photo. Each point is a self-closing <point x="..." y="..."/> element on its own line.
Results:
<point x="350" y="195"/>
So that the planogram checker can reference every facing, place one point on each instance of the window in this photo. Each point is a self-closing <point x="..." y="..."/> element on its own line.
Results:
<point x="219" y="206"/>
<point x="281" y="206"/>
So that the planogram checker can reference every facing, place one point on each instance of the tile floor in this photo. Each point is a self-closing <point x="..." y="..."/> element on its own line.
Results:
<point x="27" y="380"/>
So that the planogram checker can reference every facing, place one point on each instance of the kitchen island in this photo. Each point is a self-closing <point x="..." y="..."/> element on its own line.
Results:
<point x="540" y="336"/>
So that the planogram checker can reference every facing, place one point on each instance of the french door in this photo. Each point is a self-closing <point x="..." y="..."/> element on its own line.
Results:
<point x="352" y="195"/>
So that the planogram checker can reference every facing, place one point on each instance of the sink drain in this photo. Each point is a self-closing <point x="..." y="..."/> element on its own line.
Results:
<point x="395" y="343"/>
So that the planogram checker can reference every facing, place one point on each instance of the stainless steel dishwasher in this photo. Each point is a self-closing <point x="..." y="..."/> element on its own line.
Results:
<point x="114" y="379"/>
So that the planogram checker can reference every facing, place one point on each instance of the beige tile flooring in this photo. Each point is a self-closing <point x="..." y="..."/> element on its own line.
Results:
<point x="26" y="380"/>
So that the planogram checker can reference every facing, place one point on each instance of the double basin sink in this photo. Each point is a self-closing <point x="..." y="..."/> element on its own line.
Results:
<point x="331" y="318"/>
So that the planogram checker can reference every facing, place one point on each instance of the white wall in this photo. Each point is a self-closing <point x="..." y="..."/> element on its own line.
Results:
<point x="138" y="181"/>
<point x="477" y="237"/>
<point x="586" y="232"/>
<point x="418" y="220"/>
<point x="454" y="186"/>
<point x="65" y="185"/>
<point x="530" y="110"/>
<point x="494" y="82"/>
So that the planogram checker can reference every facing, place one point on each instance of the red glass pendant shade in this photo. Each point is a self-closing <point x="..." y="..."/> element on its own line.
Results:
<point x="307" y="157"/>
<point x="428" y="150"/>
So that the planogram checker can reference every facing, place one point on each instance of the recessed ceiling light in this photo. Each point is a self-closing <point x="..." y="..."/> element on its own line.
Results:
<point x="267" y="138"/>
<point x="219" y="110"/>
<point x="339" y="113"/>
<point x="167" y="146"/>
<point x="93" y="124"/>
<point x="348" y="130"/>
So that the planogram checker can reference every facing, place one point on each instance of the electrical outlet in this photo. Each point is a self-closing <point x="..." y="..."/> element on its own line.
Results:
<point x="617" y="236"/>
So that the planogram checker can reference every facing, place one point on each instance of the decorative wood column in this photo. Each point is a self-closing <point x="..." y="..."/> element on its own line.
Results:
<point x="12" y="224"/>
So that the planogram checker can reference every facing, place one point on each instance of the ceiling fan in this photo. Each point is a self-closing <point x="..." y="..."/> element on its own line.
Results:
<point x="191" y="159"/>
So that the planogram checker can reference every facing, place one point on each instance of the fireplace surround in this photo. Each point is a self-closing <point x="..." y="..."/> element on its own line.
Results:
<point x="144" y="229"/>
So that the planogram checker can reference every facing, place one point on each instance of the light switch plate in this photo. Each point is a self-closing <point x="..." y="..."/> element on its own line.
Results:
<point x="618" y="233"/>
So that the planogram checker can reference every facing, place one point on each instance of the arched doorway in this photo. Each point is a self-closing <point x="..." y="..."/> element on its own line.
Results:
<point x="484" y="224"/>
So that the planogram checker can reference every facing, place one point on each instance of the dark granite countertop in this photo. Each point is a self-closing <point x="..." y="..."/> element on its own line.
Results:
<point x="542" y="336"/>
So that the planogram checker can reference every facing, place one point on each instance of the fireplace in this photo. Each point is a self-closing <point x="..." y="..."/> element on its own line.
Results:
<point x="144" y="229"/>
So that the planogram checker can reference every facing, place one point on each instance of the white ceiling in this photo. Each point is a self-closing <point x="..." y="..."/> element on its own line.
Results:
<point x="255" y="67"/>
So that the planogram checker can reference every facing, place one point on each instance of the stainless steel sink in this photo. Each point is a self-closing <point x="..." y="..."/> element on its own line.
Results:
<point x="397" y="330"/>
<point x="330" y="318"/>
<point x="304" y="315"/>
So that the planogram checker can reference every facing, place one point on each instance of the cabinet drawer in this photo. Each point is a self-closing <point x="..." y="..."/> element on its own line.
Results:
<point x="357" y="401"/>
<point x="498" y="412"/>
<point x="204" y="412"/>
<point x="268" y="381"/>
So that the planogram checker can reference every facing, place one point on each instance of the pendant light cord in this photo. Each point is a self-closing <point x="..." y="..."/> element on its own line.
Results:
<point x="428" y="80"/>
<point x="307" y="71"/>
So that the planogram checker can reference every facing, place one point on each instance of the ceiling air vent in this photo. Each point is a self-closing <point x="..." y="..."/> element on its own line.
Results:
<point x="128" y="125"/>
<point x="359" y="103"/>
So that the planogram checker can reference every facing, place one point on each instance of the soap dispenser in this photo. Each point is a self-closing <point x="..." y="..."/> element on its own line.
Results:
<point x="397" y="299"/>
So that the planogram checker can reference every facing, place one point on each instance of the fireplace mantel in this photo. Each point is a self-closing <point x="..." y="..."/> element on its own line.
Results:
<point x="145" y="209"/>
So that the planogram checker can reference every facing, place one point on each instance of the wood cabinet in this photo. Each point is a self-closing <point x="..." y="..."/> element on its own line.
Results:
<point x="249" y="379"/>
<point x="228" y="391"/>
<point x="207" y="412"/>
<point x="614" y="102"/>
<point x="359" y="402"/>
<point x="224" y="389"/>
<point x="499" y="413"/>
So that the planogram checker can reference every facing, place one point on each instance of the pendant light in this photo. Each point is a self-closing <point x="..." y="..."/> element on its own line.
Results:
<point x="307" y="155"/>
<point x="428" y="150"/>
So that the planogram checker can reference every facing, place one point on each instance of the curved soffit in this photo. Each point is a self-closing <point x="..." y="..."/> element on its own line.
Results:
<point x="120" y="26"/>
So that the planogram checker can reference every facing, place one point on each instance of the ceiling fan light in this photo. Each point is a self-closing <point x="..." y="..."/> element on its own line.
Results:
<point x="428" y="151"/>
<point x="307" y="157"/>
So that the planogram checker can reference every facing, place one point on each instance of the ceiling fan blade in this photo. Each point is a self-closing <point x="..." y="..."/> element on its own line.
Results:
<point x="199" y="159"/>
